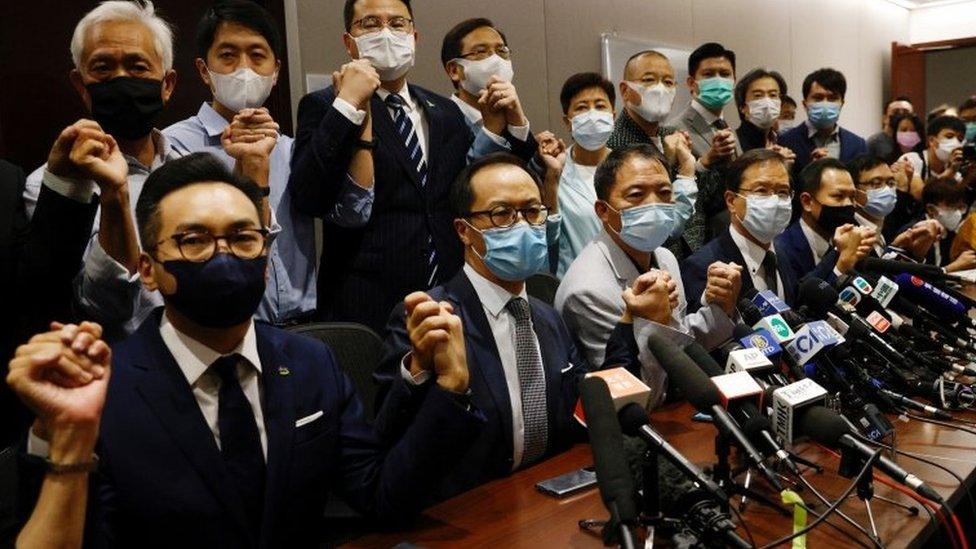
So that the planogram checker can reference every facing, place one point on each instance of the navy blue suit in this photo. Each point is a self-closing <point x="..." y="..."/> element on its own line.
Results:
<point x="162" y="481"/>
<point x="365" y="271"/>
<point x="694" y="269"/>
<point x="793" y="250"/>
<point x="799" y="141"/>
<point x="491" y="454"/>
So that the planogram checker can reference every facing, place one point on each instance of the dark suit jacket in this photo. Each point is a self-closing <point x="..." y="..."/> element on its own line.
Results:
<point x="793" y="250"/>
<point x="750" y="136"/>
<point x="799" y="141"/>
<point x="694" y="270"/>
<point x="38" y="261"/>
<point x="491" y="454"/>
<point x="162" y="482"/>
<point x="365" y="271"/>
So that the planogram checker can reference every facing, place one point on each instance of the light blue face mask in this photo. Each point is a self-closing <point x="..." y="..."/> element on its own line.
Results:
<point x="766" y="217"/>
<point x="592" y="129"/>
<point x="515" y="253"/>
<point x="971" y="131"/>
<point x="714" y="92"/>
<point x="685" y="192"/>
<point x="645" y="228"/>
<point x="823" y="114"/>
<point x="881" y="201"/>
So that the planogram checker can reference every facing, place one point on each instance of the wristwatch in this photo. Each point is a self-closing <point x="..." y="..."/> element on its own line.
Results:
<point x="70" y="468"/>
<point x="366" y="144"/>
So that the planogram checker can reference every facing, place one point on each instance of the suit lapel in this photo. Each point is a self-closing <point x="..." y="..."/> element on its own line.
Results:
<point x="166" y="392"/>
<point x="697" y="123"/>
<point x="729" y="249"/>
<point x="386" y="132"/>
<point x="279" y="421"/>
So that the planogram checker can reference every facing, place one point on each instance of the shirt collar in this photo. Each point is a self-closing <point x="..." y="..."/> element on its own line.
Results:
<point x="163" y="151"/>
<point x="708" y="115"/>
<point x="194" y="358"/>
<point x="812" y="131"/>
<point x="472" y="114"/>
<point x="404" y="92"/>
<point x="211" y="120"/>
<point x="818" y="244"/>
<point x="751" y="252"/>
<point x="492" y="296"/>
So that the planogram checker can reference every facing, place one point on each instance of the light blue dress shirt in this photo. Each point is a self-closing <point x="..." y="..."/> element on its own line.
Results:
<point x="580" y="224"/>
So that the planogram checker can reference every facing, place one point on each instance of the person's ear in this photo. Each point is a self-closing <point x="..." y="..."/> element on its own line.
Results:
<point x="277" y="70"/>
<point x="462" y="228"/>
<point x="602" y="211"/>
<point x="806" y="201"/>
<point x="568" y="122"/>
<point x="169" y="84"/>
<point x="692" y="85"/>
<point x="454" y="71"/>
<point x="203" y="71"/>
<point x="932" y="210"/>
<point x="146" y="273"/>
<point x="350" y="44"/>
<point x="730" y="200"/>
<point x="624" y="91"/>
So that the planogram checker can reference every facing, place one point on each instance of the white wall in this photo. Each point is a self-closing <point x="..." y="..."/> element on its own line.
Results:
<point x="553" y="39"/>
<point x="945" y="22"/>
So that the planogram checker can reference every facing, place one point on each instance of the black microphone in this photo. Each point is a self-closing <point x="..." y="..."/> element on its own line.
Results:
<point x="894" y="268"/>
<point x="613" y="477"/>
<point x="829" y="429"/>
<point x="704" y="396"/>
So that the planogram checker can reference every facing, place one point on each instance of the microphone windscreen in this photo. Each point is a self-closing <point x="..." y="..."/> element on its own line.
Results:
<point x="684" y="374"/>
<point x="740" y="331"/>
<point x="753" y="428"/>
<point x="613" y="477"/>
<point x="749" y="311"/>
<point x="891" y="267"/>
<point x="632" y="417"/>
<point x="703" y="359"/>
<point x="817" y="295"/>
<point x="822" y="425"/>
<point x="931" y="298"/>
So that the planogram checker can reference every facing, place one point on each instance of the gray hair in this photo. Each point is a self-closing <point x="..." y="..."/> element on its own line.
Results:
<point x="125" y="10"/>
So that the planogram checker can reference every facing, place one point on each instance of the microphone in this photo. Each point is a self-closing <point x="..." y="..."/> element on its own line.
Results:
<point x="935" y="300"/>
<point x="773" y="311"/>
<point x="894" y="268"/>
<point x="613" y="477"/>
<point x="789" y="401"/>
<point x="829" y="429"/>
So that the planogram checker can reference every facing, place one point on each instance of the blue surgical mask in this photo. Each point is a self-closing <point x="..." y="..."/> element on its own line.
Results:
<point x="515" y="253"/>
<point x="823" y="114"/>
<point x="971" y="131"/>
<point x="645" y="228"/>
<point x="881" y="201"/>
<point x="685" y="192"/>
<point x="592" y="129"/>
<point x="714" y="92"/>
<point x="766" y="216"/>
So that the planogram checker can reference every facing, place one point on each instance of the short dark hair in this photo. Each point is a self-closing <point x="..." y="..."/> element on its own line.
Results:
<point x="708" y="50"/>
<point x="830" y="79"/>
<point x="812" y="174"/>
<point x="183" y="172"/>
<point x="642" y="53"/>
<point x="733" y="175"/>
<point x="789" y="100"/>
<point x="606" y="173"/>
<point x="349" y="9"/>
<point x="888" y="103"/>
<point x="451" y="46"/>
<point x="862" y="163"/>
<point x="462" y="196"/>
<point x="969" y="103"/>
<point x="940" y="123"/>
<point x="246" y="13"/>
<point x="584" y="81"/>
<point x="742" y="86"/>
<point x="943" y="189"/>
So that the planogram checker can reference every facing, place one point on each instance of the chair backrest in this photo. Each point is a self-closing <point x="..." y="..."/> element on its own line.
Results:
<point x="9" y="488"/>
<point x="358" y="350"/>
<point x="542" y="286"/>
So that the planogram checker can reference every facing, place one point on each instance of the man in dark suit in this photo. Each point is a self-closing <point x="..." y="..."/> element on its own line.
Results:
<point x="219" y="431"/>
<point x="523" y="363"/>
<point x="821" y="136"/>
<point x="404" y="146"/>
<point x="825" y="241"/>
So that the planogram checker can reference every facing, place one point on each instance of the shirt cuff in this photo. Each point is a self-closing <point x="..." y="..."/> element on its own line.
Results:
<point x="837" y="273"/>
<point x="356" y="116"/>
<point x="415" y="380"/>
<point x="699" y="167"/>
<point x="37" y="446"/>
<point x="497" y="139"/>
<point x="79" y="190"/>
<point x="101" y="267"/>
<point x="519" y="132"/>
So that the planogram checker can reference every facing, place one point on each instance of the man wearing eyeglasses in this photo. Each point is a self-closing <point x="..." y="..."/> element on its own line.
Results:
<point x="404" y="144"/>
<point x="523" y="363"/>
<point x="478" y="61"/>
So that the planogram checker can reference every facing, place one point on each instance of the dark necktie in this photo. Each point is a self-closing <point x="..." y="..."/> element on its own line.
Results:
<point x="532" y="382"/>
<point x="416" y="155"/>
<point x="240" y="442"/>
<point x="769" y="271"/>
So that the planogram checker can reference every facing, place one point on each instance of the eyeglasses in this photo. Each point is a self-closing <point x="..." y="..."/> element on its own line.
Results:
<point x="480" y="53"/>
<point x="766" y="193"/>
<point x="200" y="246"/>
<point x="877" y="183"/>
<point x="505" y="216"/>
<point x="372" y="23"/>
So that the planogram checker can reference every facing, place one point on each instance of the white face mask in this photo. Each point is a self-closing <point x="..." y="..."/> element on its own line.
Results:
<point x="946" y="146"/>
<point x="763" y="112"/>
<point x="477" y="73"/>
<point x="950" y="219"/>
<point x="783" y="124"/>
<point x="592" y="129"/>
<point x="656" y="100"/>
<point x="390" y="53"/>
<point x="241" y="89"/>
<point x="766" y="217"/>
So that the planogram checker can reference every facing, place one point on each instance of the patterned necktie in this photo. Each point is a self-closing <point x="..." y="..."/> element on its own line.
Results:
<point x="769" y="271"/>
<point x="240" y="442"/>
<point x="416" y="155"/>
<point x="532" y="382"/>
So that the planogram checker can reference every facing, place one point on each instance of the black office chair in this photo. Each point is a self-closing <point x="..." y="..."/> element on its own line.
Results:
<point x="9" y="489"/>
<point x="358" y="350"/>
<point x="542" y="286"/>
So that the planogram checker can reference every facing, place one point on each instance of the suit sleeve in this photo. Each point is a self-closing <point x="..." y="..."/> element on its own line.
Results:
<point x="693" y="277"/>
<point x="622" y="350"/>
<point x="323" y="149"/>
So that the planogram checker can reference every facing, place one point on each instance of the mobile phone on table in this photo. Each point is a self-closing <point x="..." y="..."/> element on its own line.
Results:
<point x="567" y="484"/>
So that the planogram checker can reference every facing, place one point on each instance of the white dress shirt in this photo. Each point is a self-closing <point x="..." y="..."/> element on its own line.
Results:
<point x="474" y="118"/>
<point x="416" y="115"/>
<point x="753" y="254"/>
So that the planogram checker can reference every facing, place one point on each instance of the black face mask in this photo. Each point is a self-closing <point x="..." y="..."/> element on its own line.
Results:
<point x="832" y="217"/>
<point x="126" y="107"/>
<point x="222" y="292"/>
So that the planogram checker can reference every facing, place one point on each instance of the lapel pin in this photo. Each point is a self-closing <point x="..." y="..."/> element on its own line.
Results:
<point x="429" y="104"/>
<point x="282" y="371"/>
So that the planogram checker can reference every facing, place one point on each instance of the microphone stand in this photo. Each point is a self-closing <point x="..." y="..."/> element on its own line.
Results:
<point x="722" y="473"/>
<point x="851" y="463"/>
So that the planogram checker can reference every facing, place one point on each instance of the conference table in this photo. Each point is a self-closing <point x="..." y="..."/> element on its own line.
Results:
<point x="511" y="513"/>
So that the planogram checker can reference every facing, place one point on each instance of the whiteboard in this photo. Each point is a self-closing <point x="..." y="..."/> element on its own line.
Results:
<point x="615" y="50"/>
